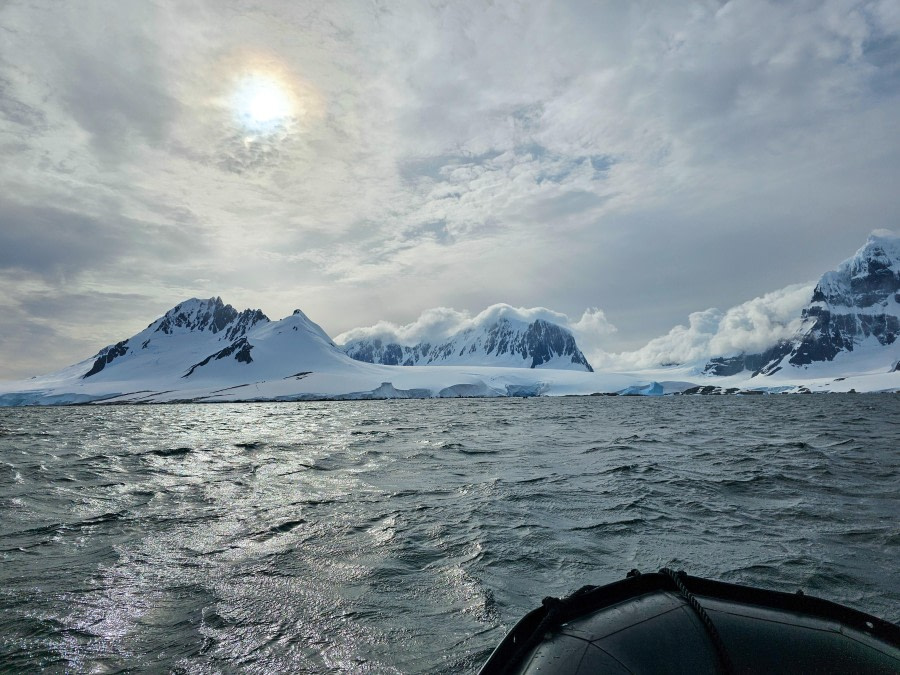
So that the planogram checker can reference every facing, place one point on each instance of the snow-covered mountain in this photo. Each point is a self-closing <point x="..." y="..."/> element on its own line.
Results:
<point x="186" y="334"/>
<point x="505" y="341"/>
<point x="202" y="341"/>
<point x="851" y="324"/>
<point x="205" y="350"/>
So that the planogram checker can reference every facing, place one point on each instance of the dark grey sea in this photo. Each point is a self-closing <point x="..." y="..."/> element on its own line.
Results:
<point x="408" y="536"/>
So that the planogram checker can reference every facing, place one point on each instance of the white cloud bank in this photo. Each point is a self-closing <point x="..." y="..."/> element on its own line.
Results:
<point x="750" y="327"/>
<point x="440" y="323"/>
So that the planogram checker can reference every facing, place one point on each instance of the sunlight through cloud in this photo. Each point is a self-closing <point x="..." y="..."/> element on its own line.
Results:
<point x="262" y="104"/>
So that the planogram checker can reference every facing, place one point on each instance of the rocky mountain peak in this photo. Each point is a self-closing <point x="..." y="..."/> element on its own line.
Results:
<point x="504" y="341"/>
<point x="210" y="315"/>
<point x="857" y="303"/>
<point x="871" y="276"/>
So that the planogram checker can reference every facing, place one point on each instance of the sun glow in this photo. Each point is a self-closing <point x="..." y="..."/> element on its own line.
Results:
<point x="263" y="99"/>
<point x="263" y="103"/>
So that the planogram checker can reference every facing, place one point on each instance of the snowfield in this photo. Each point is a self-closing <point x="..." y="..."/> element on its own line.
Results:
<point x="342" y="378"/>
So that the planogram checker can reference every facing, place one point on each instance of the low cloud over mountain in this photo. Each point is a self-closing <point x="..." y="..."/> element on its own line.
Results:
<point x="752" y="326"/>
<point x="440" y="323"/>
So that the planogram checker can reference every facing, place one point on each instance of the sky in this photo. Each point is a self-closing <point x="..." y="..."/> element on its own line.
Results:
<point x="653" y="171"/>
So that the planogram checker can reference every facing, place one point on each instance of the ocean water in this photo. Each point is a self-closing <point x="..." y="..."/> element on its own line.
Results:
<point x="408" y="536"/>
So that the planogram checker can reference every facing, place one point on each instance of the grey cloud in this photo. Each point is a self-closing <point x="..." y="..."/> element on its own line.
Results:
<point x="64" y="307"/>
<point x="883" y="54"/>
<point x="437" y="230"/>
<point x="58" y="243"/>
<point x="649" y="158"/>
<point x="52" y="241"/>
<point x="437" y="167"/>
<point x="16" y="111"/>
<point x="34" y="347"/>
<point x="239" y="155"/>
<point x="46" y="328"/>
<point x="572" y="202"/>
<point x="114" y="75"/>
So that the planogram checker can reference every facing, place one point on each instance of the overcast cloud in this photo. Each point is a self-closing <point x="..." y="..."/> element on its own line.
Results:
<point x="649" y="159"/>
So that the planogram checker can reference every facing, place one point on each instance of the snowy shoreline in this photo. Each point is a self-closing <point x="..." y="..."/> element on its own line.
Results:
<point x="358" y="381"/>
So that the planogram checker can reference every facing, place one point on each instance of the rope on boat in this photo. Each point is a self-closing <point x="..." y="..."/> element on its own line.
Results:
<point x="678" y="579"/>
<point x="555" y="610"/>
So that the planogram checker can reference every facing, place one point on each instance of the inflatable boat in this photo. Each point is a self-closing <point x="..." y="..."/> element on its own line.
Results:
<point x="670" y="622"/>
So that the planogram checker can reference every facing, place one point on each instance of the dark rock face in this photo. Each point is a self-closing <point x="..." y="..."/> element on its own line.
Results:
<point x="709" y="390"/>
<point x="757" y="363"/>
<point x="540" y="342"/>
<point x="393" y="354"/>
<point x="375" y="351"/>
<point x="857" y="301"/>
<point x="832" y="333"/>
<point x="212" y="315"/>
<point x="851" y="304"/>
<point x="244" y="322"/>
<point x="106" y="356"/>
<point x="240" y="349"/>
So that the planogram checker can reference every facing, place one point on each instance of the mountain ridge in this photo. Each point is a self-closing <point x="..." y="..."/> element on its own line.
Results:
<point x="206" y="350"/>
<point x="503" y="341"/>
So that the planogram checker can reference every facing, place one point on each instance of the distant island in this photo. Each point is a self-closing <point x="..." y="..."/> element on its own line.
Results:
<point x="208" y="351"/>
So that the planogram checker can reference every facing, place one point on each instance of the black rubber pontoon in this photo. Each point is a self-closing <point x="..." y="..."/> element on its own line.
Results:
<point x="670" y="622"/>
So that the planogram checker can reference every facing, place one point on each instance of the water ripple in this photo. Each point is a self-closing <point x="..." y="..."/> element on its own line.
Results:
<point x="407" y="536"/>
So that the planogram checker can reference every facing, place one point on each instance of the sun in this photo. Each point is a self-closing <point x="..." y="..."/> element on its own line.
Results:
<point x="262" y="103"/>
<point x="264" y="99"/>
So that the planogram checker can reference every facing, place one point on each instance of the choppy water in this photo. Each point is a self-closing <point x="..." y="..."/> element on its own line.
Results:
<point x="407" y="536"/>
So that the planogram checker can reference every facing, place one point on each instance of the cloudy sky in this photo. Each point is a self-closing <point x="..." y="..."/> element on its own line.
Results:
<point x="366" y="161"/>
